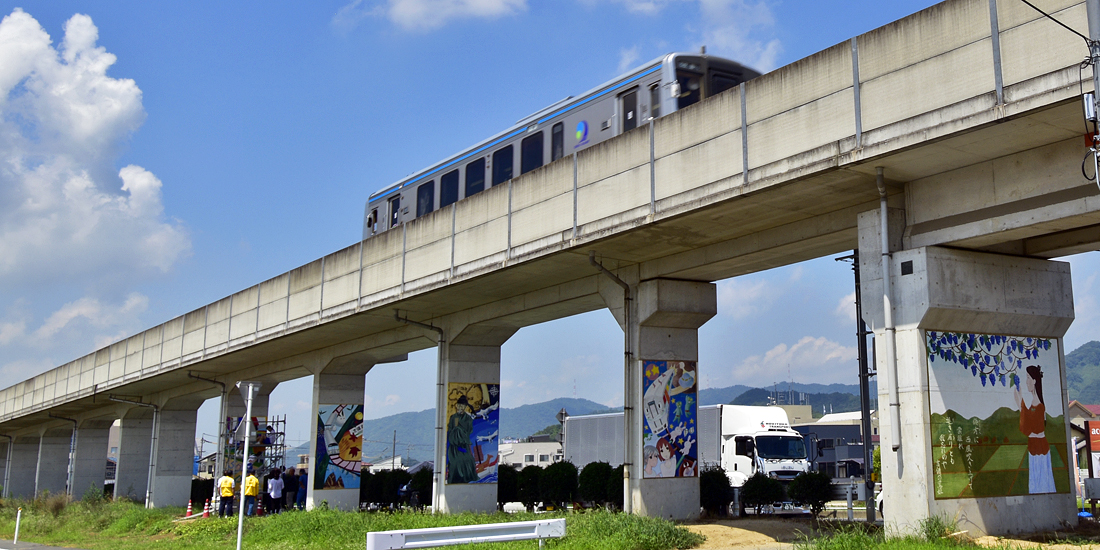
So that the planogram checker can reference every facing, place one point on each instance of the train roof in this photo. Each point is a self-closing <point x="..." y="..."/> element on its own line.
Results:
<point x="537" y="117"/>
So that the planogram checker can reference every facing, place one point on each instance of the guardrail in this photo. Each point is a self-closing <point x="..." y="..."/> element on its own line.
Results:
<point x="466" y="534"/>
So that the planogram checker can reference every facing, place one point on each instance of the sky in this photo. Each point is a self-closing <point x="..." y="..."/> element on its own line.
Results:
<point x="159" y="156"/>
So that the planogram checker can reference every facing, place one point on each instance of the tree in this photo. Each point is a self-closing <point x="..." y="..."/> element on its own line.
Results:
<point x="761" y="490"/>
<point x="507" y="485"/>
<point x="528" y="490"/>
<point x="615" y="488"/>
<point x="392" y="482"/>
<point x="991" y="357"/>
<point x="592" y="482"/>
<point x="813" y="489"/>
<point x="422" y="483"/>
<point x="714" y="490"/>
<point x="558" y="483"/>
<point x="876" y="462"/>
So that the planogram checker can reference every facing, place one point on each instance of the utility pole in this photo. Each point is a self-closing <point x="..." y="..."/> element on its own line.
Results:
<point x="864" y="388"/>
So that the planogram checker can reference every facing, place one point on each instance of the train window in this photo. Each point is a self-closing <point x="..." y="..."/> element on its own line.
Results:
<point x="720" y="82"/>
<point x="557" y="141"/>
<point x="475" y="177"/>
<point x="530" y="153"/>
<point x="629" y="110"/>
<point x="502" y="165"/>
<point x="655" y="100"/>
<point x="448" y="188"/>
<point x="372" y="221"/>
<point x="691" y="88"/>
<point x="395" y="210"/>
<point x="425" y="198"/>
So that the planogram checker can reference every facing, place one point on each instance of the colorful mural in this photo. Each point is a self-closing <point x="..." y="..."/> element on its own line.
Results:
<point x="669" y="403"/>
<point x="339" y="456"/>
<point x="997" y="417"/>
<point x="472" y="428"/>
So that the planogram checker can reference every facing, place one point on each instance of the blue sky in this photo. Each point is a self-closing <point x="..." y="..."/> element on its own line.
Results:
<point x="163" y="155"/>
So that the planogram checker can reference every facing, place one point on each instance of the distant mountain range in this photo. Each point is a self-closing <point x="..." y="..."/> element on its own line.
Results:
<point x="1083" y="373"/>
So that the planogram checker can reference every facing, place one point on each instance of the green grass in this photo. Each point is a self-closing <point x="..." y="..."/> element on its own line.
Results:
<point x="932" y="535"/>
<point x="124" y="526"/>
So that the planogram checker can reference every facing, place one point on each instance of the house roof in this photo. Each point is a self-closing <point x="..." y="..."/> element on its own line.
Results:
<point x="1094" y="409"/>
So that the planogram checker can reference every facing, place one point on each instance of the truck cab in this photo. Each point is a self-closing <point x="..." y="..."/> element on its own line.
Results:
<point x="760" y="440"/>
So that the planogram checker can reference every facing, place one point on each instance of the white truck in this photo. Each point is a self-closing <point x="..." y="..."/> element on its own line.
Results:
<point x="744" y="440"/>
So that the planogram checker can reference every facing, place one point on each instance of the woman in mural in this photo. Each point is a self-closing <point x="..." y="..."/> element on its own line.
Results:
<point x="1033" y="423"/>
<point x="651" y="461"/>
<point x="460" y="460"/>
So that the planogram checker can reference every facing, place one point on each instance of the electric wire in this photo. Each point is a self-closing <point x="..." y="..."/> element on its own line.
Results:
<point x="1088" y="41"/>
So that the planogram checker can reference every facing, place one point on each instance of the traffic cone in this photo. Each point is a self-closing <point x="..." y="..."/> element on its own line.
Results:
<point x="206" y="509"/>
<point x="188" y="514"/>
<point x="259" y="510"/>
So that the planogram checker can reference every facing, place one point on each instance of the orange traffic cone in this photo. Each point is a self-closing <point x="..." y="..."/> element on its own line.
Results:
<point x="188" y="514"/>
<point x="206" y="509"/>
<point x="259" y="510"/>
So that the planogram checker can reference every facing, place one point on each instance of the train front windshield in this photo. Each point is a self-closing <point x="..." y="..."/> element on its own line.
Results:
<point x="780" y="447"/>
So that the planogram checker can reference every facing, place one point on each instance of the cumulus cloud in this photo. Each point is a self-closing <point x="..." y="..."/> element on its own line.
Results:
<point x="740" y="297"/>
<point x="846" y="308"/>
<point x="424" y="15"/>
<point x="67" y="212"/>
<point x="737" y="29"/>
<point x="628" y="58"/>
<point x="810" y="360"/>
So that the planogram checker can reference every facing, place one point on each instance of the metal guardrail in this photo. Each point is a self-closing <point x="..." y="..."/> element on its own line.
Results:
<point x="466" y="534"/>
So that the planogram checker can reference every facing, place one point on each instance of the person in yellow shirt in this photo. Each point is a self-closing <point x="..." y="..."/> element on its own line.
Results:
<point x="226" y="487"/>
<point x="251" y="491"/>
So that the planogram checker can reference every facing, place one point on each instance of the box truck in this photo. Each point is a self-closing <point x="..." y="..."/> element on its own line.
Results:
<point x="744" y="440"/>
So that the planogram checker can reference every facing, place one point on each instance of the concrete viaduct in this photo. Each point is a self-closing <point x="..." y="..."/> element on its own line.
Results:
<point x="971" y="107"/>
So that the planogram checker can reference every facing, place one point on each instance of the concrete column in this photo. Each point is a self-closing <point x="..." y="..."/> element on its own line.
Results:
<point x="90" y="462"/>
<point x="52" y="471"/>
<point x="337" y="451"/>
<point x="5" y="449"/>
<point x="666" y="318"/>
<point x="174" y="452"/>
<point x="24" y="466"/>
<point x="968" y="323"/>
<point x="469" y="374"/>
<point x="135" y="438"/>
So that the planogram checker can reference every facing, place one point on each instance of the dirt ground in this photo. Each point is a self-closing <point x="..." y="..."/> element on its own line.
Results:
<point x="749" y="533"/>
<point x="776" y="534"/>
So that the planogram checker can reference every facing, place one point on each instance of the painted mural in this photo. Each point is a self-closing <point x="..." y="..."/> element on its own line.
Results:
<point x="997" y="417"/>
<point x="669" y="406"/>
<point x="473" y="414"/>
<point x="339" y="452"/>
<point x="234" y="443"/>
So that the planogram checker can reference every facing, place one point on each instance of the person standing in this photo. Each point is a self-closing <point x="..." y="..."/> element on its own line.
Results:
<point x="461" y="467"/>
<point x="303" y="488"/>
<point x="226" y="488"/>
<point x="275" y="491"/>
<point x="251" y="491"/>
<point x="290" y="488"/>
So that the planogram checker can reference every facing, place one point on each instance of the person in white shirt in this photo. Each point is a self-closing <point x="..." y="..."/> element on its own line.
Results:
<point x="275" y="491"/>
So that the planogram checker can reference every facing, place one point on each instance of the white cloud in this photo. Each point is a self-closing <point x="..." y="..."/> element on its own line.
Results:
<point x="741" y="297"/>
<point x="810" y="360"/>
<point x="68" y="214"/>
<point x="737" y="29"/>
<point x="846" y="308"/>
<point x="424" y="15"/>
<point x="628" y="58"/>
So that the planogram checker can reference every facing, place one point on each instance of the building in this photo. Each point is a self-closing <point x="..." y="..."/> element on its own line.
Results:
<point x="537" y="453"/>
<point x="835" y="443"/>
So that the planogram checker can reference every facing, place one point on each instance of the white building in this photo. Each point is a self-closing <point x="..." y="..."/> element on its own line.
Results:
<point x="520" y="455"/>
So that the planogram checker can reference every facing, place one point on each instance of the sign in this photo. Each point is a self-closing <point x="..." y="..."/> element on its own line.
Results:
<point x="1093" y="426"/>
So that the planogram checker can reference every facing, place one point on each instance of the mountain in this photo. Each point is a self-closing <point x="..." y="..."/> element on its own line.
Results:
<point x="1083" y="373"/>
<point x="722" y="396"/>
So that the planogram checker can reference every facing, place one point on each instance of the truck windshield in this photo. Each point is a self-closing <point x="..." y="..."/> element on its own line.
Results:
<point x="788" y="447"/>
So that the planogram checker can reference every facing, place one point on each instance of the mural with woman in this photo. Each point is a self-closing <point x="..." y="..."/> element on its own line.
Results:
<point x="995" y="431"/>
<point x="669" y="409"/>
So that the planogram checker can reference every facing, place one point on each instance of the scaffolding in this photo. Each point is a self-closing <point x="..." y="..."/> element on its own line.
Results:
<point x="266" y="445"/>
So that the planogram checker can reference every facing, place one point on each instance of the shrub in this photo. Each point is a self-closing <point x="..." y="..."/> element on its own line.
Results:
<point x="715" y="493"/>
<point x="507" y="485"/>
<point x="592" y="483"/>
<point x="615" y="488"/>
<point x="422" y="484"/>
<point x="813" y="489"/>
<point x="392" y="483"/>
<point x="528" y="492"/>
<point x="558" y="483"/>
<point x="761" y="490"/>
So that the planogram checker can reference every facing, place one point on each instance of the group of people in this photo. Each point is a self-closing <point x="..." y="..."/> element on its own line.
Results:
<point x="284" y="491"/>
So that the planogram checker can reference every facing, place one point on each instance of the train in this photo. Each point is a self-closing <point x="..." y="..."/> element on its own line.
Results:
<point x="658" y="88"/>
